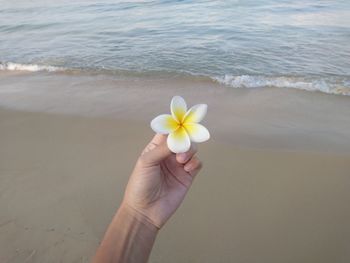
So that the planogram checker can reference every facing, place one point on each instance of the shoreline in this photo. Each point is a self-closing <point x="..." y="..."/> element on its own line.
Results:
<point x="331" y="84"/>
<point x="269" y="118"/>
<point x="81" y="81"/>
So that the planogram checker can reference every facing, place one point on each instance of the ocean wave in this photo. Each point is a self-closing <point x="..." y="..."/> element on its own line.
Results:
<point x="329" y="85"/>
<point x="28" y="67"/>
<point x="338" y="86"/>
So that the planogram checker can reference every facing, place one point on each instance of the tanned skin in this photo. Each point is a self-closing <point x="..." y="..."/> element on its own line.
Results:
<point x="156" y="188"/>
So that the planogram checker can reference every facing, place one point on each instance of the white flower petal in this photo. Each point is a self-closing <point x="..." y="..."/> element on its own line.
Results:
<point x="178" y="108"/>
<point x="196" y="113"/>
<point x="197" y="132"/>
<point x="178" y="141"/>
<point x="164" y="124"/>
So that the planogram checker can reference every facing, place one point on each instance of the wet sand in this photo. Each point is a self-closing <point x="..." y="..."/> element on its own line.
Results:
<point x="279" y="119"/>
<point x="62" y="178"/>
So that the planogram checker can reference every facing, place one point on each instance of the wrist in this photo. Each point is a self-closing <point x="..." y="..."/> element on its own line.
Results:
<point x="129" y="238"/>
<point x="141" y="218"/>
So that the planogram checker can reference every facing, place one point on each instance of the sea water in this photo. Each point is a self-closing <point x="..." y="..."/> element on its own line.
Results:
<point x="301" y="44"/>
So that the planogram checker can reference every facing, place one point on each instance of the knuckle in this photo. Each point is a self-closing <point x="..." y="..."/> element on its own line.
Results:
<point x="195" y="162"/>
<point x="196" y="159"/>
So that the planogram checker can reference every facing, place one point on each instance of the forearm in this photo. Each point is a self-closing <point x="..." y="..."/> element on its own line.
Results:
<point x="129" y="238"/>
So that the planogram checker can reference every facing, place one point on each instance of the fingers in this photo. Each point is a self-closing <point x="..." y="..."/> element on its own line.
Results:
<point x="158" y="139"/>
<point x="193" y="166"/>
<point x="184" y="157"/>
<point x="156" y="151"/>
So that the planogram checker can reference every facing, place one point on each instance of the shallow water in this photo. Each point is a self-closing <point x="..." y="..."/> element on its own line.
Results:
<point x="251" y="44"/>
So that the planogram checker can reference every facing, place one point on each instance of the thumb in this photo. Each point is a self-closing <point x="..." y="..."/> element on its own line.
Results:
<point x="156" y="151"/>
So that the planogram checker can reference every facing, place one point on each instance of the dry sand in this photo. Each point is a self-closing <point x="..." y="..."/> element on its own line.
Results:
<point x="62" y="178"/>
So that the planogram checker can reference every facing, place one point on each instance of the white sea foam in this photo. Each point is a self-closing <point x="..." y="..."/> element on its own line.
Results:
<point x="339" y="87"/>
<point x="28" y="67"/>
<point x="249" y="81"/>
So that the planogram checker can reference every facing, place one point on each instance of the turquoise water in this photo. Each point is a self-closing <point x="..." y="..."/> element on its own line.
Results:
<point x="250" y="44"/>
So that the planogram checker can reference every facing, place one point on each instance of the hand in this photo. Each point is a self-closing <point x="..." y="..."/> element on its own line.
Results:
<point x="160" y="181"/>
<point x="155" y="190"/>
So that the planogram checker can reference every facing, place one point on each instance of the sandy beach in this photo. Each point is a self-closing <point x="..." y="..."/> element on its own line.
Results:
<point x="271" y="190"/>
<point x="81" y="81"/>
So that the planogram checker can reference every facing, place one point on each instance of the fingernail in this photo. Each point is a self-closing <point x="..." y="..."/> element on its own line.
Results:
<point x="188" y="167"/>
<point x="182" y="157"/>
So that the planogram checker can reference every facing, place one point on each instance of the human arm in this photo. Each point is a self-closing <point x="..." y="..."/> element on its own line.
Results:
<point x="155" y="190"/>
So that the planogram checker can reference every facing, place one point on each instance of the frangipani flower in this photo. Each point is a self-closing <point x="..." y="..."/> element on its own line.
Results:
<point x="182" y="125"/>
